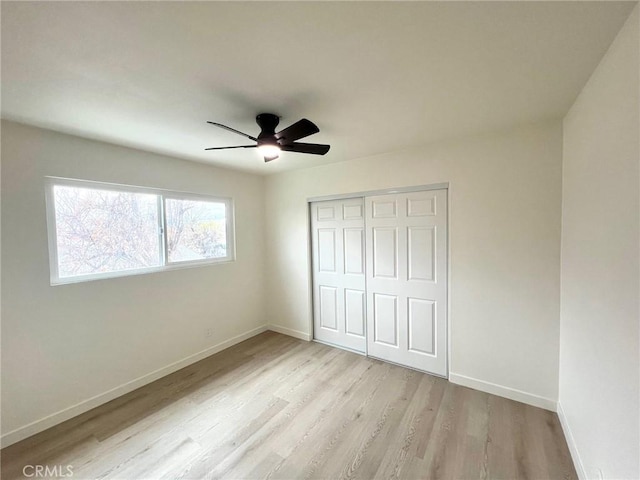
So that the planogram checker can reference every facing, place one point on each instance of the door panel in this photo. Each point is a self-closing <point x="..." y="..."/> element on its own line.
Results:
<point x="328" y="308"/>
<point x="352" y="212"/>
<point x="421" y="326"/>
<point x="354" y="301"/>
<point x="385" y="252"/>
<point x="419" y="206"/>
<point x="326" y="213"/>
<point x="382" y="207"/>
<point x="406" y="238"/>
<point x="421" y="252"/>
<point x="339" y="300"/>
<point x="354" y="251"/>
<point x="327" y="249"/>
<point x="385" y="319"/>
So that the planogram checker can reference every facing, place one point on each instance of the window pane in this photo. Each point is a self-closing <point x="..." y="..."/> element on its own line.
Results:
<point x="102" y="231"/>
<point x="196" y="230"/>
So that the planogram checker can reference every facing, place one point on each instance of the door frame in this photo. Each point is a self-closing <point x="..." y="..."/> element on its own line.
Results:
<point x="363" y="194"/>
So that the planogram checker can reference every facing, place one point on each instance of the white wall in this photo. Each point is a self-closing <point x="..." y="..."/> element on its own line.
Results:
<point x="599" y="352"/>
<point x="64" y="345"/>
<point x="504" y="241"/>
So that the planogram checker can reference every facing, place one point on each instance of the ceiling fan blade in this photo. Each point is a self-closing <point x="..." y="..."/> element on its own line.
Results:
<point x="313" y="148"/>
<point x="300" y="129"/>
<point x="224" y="148"/>
<point x="233" y="130"/>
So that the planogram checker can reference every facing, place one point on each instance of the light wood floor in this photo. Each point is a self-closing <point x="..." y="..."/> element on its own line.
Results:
<point x="280" y="408"/>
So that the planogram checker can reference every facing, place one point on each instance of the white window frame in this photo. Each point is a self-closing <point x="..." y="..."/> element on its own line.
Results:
<point x="165" y="265"/>
<point x="229" y="228"/>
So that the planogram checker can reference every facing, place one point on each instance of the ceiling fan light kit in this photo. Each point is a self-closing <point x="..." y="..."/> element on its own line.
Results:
<point x="270" y="144"/>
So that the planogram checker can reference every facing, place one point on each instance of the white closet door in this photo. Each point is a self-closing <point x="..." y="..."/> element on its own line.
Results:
<point x="339" y="300"/>
<point x="406" y="255"/>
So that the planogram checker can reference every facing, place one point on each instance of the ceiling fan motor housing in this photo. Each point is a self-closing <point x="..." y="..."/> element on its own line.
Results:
<point x="267" y="123"/>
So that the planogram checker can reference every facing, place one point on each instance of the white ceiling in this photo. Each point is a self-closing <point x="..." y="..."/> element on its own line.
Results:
<point x="374" y="76"/>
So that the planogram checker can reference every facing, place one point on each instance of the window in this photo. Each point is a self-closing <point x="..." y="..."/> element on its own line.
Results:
<point x="99" y="230"/>
<point x="196" y="229"/>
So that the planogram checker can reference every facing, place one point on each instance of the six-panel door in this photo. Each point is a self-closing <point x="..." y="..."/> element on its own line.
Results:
<point x="406" y="253"/>
<point x="339" y="301"/>
<point x="383" y="289"/>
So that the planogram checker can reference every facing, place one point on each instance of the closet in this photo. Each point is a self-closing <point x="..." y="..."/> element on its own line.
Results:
<point x="380" y="276"/>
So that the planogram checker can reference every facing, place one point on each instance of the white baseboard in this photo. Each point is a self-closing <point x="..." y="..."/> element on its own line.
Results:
<point x="502" y="391"/>
<point x="86" y="405"/>
<point x="291" y="332"/>
<point x="571" y="443"/>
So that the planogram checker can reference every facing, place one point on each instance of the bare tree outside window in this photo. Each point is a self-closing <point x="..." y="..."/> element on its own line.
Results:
<point x="101" y="230"/>
<point x="196" y="229"/>
<point x="105" y="231"/>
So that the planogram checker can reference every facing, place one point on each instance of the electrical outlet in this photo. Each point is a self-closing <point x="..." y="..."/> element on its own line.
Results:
<point x="208" y="332"/>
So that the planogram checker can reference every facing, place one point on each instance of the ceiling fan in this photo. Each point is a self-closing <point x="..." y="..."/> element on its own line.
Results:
<point x="270" y="144"/>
